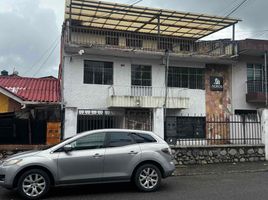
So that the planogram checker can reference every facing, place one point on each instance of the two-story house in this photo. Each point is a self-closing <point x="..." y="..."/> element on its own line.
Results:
<point x="126" y="66"/>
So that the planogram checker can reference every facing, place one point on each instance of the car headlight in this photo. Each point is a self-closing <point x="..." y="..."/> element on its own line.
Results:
<point x="12" y="162"/>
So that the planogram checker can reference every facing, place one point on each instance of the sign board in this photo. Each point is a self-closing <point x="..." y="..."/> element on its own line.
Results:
<point x="216" y="83"/>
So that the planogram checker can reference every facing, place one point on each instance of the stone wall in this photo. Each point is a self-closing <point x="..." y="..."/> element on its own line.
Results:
<point x="8" y="150"/>
<point x="218" y="154"/>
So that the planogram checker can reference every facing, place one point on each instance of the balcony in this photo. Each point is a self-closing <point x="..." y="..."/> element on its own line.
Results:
<point x="255" y="91"/>
<point x="146" y="97"/>
<point x="76" y="36"/>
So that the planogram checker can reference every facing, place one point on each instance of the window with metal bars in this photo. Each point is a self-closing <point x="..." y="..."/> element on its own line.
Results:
<point x="141" y="75"/>
<point x="185" y="77"/>
<point x="98" y="72"/>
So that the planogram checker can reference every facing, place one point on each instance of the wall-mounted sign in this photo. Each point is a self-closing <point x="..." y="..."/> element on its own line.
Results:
<point x="216" y="83"/>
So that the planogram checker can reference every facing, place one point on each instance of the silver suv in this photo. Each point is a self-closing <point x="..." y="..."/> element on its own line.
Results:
<point x="100" y="156"/>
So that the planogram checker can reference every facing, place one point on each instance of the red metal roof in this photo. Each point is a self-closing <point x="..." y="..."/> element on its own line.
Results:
<point x="46" y="89"/>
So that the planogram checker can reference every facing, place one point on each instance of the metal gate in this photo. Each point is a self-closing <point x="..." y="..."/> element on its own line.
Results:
<point x="139" y="119"/>
<point x="90" y="119"/>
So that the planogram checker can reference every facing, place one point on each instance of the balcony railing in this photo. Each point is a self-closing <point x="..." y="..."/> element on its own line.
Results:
<point x="256" y="91"/>
<point x="140" y="91"/>
<point x="95" y="38"/>
<point x="146" y="97"/>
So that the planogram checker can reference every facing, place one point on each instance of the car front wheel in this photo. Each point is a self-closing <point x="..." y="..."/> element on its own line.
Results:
<point x="33" y="184"/>
<point x="148" y="178"/>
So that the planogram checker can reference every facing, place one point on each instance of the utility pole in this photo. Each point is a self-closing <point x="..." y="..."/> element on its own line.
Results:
<point x="265" y="74"/>
<point x="167" y="54"/>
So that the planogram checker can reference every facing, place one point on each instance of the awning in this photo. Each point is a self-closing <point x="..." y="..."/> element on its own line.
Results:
<point x="122" y="17"/>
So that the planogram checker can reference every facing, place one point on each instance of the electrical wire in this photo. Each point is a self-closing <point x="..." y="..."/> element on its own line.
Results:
<point x="41" y="57"/>
<point x="47" y="58"/>
<point x="236" y="8"/>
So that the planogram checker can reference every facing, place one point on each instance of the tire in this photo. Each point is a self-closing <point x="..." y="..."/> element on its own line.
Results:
<point x="147" y="178"/>
<point x="33" y="184"/>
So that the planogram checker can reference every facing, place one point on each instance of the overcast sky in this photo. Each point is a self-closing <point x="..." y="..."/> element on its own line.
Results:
<point x="30" y="29"/>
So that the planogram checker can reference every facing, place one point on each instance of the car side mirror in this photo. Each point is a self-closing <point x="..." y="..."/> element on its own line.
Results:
<point x="67" y="148"/>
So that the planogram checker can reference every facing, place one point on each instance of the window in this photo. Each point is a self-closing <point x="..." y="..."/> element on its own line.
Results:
<point x="255" y="72"/>
<point x="255" y="78"/>
<point x="98" y="72"/>
<point x="118" y="139"/>
<point x="92" y="141"/>
<point x="134" y="42"/>
<point x="186" y="127"/>
<point x="141" y="75"/>
<point x="112" y="40"/>
<point x="192" y="78"/>
<point x="143" y="138"/>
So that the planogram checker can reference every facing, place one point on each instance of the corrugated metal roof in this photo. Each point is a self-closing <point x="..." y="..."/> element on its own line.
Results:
<point x="124" y="17"/>
<point x="45" y="89"/>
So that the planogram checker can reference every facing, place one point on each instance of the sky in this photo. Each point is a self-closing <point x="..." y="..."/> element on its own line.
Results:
<point x="30" y="29"/>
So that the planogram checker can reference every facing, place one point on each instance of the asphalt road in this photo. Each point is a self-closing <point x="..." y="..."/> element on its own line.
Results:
<point x="239" y="186"/>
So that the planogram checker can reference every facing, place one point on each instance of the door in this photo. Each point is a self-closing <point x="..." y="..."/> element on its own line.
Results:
<point x="121" y="156"/>
<point x="84" y="162"/>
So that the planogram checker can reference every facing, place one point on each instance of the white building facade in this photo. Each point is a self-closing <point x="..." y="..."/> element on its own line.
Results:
<point x="156" y="77"/>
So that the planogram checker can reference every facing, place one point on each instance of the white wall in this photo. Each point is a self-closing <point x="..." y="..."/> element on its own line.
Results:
<point x="80" y="95"/>
<point x="89" y="96"/>
<point x="239" y="86"/>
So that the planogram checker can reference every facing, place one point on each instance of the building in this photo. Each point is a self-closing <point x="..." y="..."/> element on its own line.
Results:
<point x="249" y="76"/>
<point x="135" y="67"/>
<point x="27" y="106"/>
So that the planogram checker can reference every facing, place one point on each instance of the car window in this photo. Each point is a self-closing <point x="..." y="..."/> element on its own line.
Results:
<point x="118" y="139"/>
<point x="92" y="141"/>
<point x="143" y="138"/>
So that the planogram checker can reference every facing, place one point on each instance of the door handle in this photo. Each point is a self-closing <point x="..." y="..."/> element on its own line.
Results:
<point x="97" y="155"/>
<point x="133" y="153"/>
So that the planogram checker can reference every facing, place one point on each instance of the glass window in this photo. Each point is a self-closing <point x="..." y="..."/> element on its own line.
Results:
<point x="141" y="75"/>
<point x="143" y="138"/>
<point x="186" y="77"/>
<point x="92" y="141"/>
<point x="98" y="72"/>
<point x="118" y="139"/>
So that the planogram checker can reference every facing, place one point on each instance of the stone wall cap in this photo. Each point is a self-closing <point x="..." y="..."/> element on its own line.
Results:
<point x="217" y="146"/>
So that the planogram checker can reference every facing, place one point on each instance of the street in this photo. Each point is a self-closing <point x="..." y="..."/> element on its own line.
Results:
<point x="246" y="186"/>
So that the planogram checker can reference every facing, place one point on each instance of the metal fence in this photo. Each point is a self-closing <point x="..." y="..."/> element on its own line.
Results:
<point x="215" y="130"/>
<point x="90" y="119"/>
<point x="256" y="86"/>
<point x="79" y="35"/>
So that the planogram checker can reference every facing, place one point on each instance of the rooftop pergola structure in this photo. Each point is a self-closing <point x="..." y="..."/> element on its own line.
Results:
<point x="137" y="19"/>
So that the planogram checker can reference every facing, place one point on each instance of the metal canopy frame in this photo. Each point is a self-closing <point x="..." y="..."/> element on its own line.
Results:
<point x="122" y="17"/>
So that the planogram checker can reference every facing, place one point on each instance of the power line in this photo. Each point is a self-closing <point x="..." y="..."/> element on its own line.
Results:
<point x="236" y="8"/>
<point x="49" y="55"/>
<point x="41" y="57"/>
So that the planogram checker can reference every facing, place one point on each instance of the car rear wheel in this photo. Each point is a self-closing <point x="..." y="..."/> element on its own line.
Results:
<point x="148" y="178"/>
<point x="33" y="184"/>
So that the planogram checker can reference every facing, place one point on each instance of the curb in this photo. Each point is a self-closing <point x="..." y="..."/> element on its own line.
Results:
<point x="220" y="172"/>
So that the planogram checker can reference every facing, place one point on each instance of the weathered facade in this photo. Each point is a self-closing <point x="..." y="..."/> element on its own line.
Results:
<point x="144" y="72"/>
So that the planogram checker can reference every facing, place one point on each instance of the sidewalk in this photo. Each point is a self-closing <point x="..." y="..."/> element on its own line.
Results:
<point x="223" y="168"/>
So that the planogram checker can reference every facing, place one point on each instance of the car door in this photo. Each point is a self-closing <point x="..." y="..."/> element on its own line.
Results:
<point x="84" y="163"/>
<point x="121" y="155"/>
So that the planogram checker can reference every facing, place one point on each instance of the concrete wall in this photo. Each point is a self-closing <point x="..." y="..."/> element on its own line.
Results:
<point x="85" y="96"/>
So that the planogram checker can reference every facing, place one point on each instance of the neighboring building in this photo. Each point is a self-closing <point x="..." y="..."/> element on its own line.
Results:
<point x="114" y="64"/>
<point x="248" y="77"/>
<point x="27" y="105"/>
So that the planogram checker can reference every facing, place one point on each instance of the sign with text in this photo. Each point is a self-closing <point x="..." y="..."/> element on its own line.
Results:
<point x="216" y="83"/>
